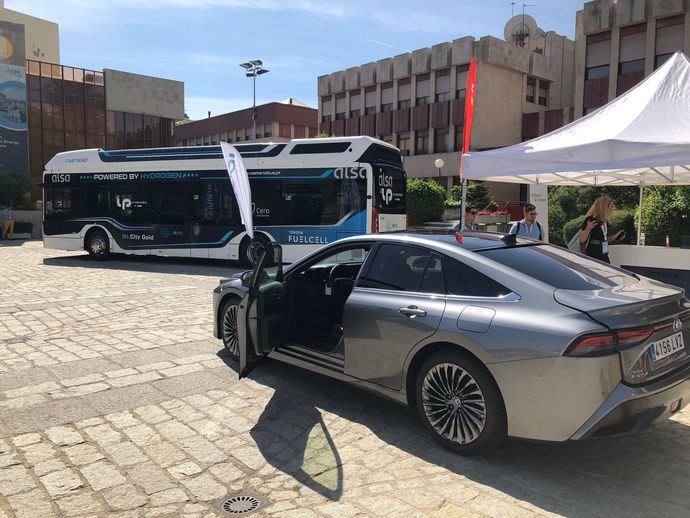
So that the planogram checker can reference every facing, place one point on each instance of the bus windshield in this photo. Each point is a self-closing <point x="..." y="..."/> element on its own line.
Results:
<point x="390" y="189"/>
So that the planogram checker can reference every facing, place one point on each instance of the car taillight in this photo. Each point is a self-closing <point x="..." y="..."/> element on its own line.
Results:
<point x="601" y="344"/>
<point x="374" y="220"/>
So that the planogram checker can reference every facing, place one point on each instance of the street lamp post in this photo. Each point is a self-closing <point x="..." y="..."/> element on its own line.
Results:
<point x="252" y="69"/>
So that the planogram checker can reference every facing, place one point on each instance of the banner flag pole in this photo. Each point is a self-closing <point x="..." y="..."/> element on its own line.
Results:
<point x="470" y="97"/>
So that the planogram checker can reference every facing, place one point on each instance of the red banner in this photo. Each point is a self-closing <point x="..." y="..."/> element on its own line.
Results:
<point x="470" y="97"/>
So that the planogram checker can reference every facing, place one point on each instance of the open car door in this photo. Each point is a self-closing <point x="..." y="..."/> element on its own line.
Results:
<point x="261" y="315"/>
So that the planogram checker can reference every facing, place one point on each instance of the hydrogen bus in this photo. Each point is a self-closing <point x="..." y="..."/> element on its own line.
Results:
<point x="179" y="201"/>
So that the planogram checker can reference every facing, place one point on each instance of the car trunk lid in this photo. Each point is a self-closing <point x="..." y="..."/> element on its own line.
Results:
<point x="640" y="304"/>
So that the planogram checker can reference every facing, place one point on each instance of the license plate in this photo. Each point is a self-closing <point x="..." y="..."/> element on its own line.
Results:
<point x="666" y="346"/>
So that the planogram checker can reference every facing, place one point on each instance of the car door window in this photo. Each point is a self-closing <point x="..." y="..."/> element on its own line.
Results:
<point x="397" y="267"/>
<point x="464" y="280"/>
<point x="432" y="280"/>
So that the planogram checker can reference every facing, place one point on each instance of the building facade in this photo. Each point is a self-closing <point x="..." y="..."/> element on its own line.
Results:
<point x="617" y="44"/>
<point x="42" y="37"/>
<point x="275" y="122"/>
<point x="416" y="100"/>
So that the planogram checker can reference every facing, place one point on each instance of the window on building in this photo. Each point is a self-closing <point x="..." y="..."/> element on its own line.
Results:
<point x="669" y="38"/>
<point x="423" y="89"/>
<point x="442" y="85"/>
<point x="597" y="72"/>
<point x="370" y="99"/>
<point x="442" y="96"/>
<point x="458" y="138"/>
<point x="531" y="89"/>
<point x="628" y="67"/>
<point x="405" y="103"/>
<point x="421" y="101"/>
<point x="326" y="118"/>
<point x="404" y="144"/>
<point x="404" y="93"/>
<point x="369" y="110"/>
<point x="355" y="113"/>
<point x="442" y="140"/>
<point x="461" y="81"/>
<point x="387" y="138"/>
<point x="387" y="107"/>
<point x="543" y="93"/>
<point x="340" y="116"/>
<point x="421" y="143"/>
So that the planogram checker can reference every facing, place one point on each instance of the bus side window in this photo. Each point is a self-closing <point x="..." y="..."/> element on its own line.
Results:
<point x="59" y="201"/>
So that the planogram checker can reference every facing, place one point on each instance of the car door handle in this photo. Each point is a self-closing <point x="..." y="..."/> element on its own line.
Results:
<point x="413" y="311"/>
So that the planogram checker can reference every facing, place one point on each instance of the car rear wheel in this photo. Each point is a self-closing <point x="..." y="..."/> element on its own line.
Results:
<point x="229" y="328"/>
<point x="459" y="403"/>
<point x="97" y="244"/>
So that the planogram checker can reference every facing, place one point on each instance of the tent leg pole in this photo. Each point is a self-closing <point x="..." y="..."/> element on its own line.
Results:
<point x="639" y="216"/>
<point x="463" y="204"/>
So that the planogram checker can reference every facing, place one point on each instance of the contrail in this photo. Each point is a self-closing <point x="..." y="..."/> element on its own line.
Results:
<point x="386" y="44"/>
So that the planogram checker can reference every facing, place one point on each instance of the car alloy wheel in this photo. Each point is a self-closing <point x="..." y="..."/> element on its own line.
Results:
<point x="453" y="403"/>
<point x="230" y="338"/>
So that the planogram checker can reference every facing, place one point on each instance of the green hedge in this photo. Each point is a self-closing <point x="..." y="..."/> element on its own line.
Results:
<point x="620" y="220"/>
<point x="13" y="189"/>
<point x="666" y="211"/>
<point x="424" y="201"/>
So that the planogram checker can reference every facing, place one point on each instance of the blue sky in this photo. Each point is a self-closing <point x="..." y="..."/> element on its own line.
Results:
<point x="201" y="42"/>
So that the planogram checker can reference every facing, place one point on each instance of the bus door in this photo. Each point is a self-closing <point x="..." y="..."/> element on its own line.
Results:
<point x="215" y="219"/>
<point x="171" y="212"/>
<point x="352" y="202"/>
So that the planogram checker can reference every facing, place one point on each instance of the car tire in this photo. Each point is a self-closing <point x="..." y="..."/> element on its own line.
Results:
<point x="228" y="327"/>
<point x="98" y="245"/>
<point x="459" y="403"/>
<point x="245" y="249"/>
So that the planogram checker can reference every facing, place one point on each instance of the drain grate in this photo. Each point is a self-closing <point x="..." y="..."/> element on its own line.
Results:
<point x="240" y="504"/>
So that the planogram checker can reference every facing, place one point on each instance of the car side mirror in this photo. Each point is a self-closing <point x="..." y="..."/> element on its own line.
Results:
<point x="247" y="278"/>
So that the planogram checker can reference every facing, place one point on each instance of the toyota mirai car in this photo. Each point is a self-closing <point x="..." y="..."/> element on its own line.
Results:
<point x="483" y="335"/>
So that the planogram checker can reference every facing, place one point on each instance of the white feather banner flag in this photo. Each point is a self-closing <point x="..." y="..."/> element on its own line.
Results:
<point x="240" y="184"/>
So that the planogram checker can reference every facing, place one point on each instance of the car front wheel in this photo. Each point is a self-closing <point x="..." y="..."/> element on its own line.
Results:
<point x="229" y="329"/>
<point x="459" y="403"/>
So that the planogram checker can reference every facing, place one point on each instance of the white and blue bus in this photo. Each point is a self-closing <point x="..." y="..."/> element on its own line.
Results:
<point x="179" y="201"/>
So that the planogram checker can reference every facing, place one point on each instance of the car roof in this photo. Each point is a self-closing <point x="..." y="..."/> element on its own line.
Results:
<point x="471" y="241"/>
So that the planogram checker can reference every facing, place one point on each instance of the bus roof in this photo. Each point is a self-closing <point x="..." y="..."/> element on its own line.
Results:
<point x="337" y="150"/>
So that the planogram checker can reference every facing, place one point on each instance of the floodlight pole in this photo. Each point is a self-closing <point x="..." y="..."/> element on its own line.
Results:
<point x="254" y="110"/>
<point x="252" y="69"/>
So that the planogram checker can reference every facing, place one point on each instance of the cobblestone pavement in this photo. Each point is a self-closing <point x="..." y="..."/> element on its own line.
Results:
<point x="114" y="399"/>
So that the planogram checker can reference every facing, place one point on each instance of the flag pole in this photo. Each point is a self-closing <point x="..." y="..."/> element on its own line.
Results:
<point x="470" y="96"/>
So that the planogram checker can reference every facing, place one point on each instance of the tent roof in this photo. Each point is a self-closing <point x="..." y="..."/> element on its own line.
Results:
<point x="642" y="136"/>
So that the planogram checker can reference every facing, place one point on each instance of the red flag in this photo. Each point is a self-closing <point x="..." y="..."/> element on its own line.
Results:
<point x="470" y="97"/>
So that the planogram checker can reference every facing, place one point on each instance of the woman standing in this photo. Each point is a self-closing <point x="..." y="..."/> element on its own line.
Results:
<point x="594" y="239"/>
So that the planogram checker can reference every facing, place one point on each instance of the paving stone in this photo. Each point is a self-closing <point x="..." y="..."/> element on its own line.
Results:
<point x="165" y="454"/>
<point x="30" y="505"/>
<point x="103" y="434"/>
<point x="83" y="454"/>
<point x="83" y="380"/>
<point x="102" y="475"/>
<point x="169" y="496"/>
<point x="48" y="466"/>
<point x="122" y="419"/>
<point x="125" y="454"/>
<point x="186" y="469"/>
<point x="226" y="472"/>
<point x="64" y="436"/>
<point x="202" y="450"/>
<point x="15" y="479"/>
<point x="124" y="497"/>
<point x="150" y="478"/>
<point x="204" y="487"/>
<point x="142" y="435"/>
<point x="152" y="414"/>
<point x="80" y="504"/>
<point x="61" y="482"/>
<point x="27" y="438"/>
<point x="174" y="430"/>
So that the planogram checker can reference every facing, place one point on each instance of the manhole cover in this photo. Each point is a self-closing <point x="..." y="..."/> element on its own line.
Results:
<point x="240" y="504"/>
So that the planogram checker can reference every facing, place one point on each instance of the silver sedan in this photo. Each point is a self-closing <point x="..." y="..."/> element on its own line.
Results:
<point x="483" y="335"/>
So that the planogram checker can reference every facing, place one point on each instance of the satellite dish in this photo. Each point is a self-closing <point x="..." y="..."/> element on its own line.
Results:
<point x="519" y="28"/>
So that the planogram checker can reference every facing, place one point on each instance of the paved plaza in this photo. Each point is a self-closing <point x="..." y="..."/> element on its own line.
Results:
<point x="116" y="399"/>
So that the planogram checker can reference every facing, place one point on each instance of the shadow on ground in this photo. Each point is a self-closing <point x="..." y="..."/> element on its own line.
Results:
<point x="152" y="264"/>
<point x="639" y="475"/>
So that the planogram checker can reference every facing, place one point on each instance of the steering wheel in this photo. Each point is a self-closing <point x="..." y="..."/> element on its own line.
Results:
<point x="336" y="288"/>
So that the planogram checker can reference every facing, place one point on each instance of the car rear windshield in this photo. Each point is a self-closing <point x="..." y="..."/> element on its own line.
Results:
<point x="559" y="268"/>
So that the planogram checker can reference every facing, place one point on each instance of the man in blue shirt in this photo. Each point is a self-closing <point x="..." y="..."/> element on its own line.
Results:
<point x="528" y="227"/>
<point x="470" y="214"/>
<point x="7" y="223"/>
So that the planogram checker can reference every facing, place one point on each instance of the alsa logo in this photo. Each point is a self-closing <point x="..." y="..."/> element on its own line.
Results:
<point x="124" y="204"/>
<point x="350" y="173"/>
<point x="60" y="178"/>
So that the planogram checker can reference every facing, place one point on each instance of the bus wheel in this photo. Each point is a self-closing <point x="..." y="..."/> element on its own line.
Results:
<point x="97" y="244"/>
<point x="246" y="257"/>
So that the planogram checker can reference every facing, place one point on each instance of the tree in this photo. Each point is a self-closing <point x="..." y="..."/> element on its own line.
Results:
<point x="13" y="189"/>
<point x="666" y="211"/>
<point x="424" y="201"/>
<point x="478" y="195"/>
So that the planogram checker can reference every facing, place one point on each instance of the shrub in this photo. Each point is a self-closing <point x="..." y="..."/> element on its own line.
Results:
<point x="666" y="211"/>
<point x="424" y="201"/>
<point x="620" y="220"/>
<point x="478" y="195"/>
<point x="557" y="219"/>
<point x="13" y="188"/>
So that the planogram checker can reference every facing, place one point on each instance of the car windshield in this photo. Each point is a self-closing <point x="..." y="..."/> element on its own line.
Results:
<point x="559" y="268"/>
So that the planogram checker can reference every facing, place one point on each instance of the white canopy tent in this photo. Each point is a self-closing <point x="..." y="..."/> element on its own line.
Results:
<point x="640" y="138"/>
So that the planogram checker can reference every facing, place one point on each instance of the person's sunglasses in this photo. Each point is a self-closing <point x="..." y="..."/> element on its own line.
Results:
<point x="473" y="212"/>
